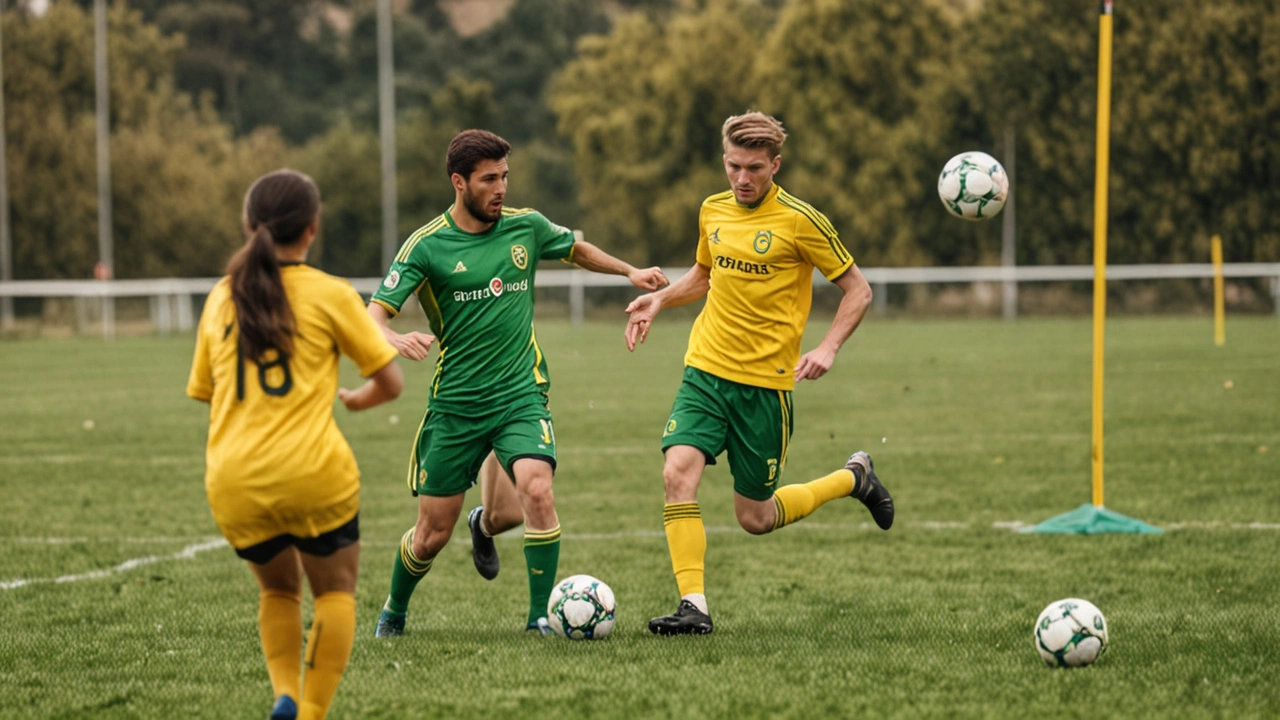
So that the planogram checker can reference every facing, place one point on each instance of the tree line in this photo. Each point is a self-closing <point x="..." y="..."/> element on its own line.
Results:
<point x="615" y="113"/>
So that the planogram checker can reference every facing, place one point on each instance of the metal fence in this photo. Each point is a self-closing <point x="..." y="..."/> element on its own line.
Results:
<point x="172" y="305"/>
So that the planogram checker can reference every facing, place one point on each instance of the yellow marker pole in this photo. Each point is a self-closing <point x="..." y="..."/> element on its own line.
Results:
<point x="1219" y="305"/>
<point x="1100" y="237"/>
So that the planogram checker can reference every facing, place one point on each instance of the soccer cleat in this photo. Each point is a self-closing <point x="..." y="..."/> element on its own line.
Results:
<point x="541" y="626"/>
<point x="483" y="552"/>
<point x="871" y="493"/>
<point x="389" y="624"/>
<point x="284" y="709"/>
<point x="686" y="620"/>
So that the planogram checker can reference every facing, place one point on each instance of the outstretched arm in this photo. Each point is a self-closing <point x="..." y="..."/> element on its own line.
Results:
<point x="411" y="345"/>
<point x="590" y="257"/>
<point x="691" y="286"/>
<point x="853" y="307"/>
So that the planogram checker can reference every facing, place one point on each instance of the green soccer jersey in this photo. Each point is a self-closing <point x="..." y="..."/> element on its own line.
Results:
<point x="477" y="291"/>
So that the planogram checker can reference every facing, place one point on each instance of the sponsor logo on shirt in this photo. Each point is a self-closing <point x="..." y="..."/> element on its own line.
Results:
<point x="715" y="236"/>
<point x="495" y="288"/>
<point x="392" y="280"/>
<point x="742" y="266"/>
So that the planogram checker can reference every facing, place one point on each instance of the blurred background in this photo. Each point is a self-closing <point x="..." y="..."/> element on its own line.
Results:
<point x="614" y="110"/>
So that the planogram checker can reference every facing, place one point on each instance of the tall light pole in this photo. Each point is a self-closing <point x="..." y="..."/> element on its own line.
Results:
<point x="387" y="132"/>
<point x="6" y="246"/>
<point x="105" y="261"/>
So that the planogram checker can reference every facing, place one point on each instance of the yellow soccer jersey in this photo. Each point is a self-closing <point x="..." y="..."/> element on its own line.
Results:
<point x="762" y="260"/>
<point x="276" y="461"/>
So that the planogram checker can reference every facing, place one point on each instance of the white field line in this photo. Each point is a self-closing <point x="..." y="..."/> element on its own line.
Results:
<point x="185" y="553"/>
<point x="190" y="551"/>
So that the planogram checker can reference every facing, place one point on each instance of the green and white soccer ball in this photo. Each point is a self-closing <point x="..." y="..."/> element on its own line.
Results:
<point x="1071" y="633"/>
<point x="973" y="186"/>
<point x="582" y="607"/>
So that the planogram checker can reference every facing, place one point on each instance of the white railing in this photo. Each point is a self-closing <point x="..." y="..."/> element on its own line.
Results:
<point x="172" y="307"/>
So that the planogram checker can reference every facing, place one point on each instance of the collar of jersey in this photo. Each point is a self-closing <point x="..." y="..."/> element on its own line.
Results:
<point x="773" y="192"/>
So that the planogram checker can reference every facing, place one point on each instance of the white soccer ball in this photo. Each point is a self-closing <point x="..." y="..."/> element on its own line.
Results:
<point x="973" y="186"/>
<point x="1071" y="633"/>
<point x="582" y="607"/>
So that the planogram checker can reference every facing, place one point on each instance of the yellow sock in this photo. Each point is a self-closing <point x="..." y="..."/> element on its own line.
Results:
<point x="795" y="502"/>
<point x="333" y="631"/>
<point x="280" y="627"/>
<point x="687" y="543"/>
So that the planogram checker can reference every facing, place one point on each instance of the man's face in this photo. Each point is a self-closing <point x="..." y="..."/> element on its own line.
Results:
<point x="484" y="191"/>
<point x="750" y="172"/>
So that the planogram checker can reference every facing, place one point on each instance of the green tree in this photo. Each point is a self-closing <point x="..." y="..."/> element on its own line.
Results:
<point x="177" y="175"/>
<point x="643" y="107"/>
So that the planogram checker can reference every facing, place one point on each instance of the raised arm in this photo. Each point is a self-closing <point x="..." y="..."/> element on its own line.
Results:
<point x="853" y="307"/>
<point x="590" y="257"/>
<point x="691" y="286"/>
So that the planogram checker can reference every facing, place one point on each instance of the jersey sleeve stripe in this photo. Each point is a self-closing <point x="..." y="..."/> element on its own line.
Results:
<point x="417" y="236"/>
<point x="821" y="223"/>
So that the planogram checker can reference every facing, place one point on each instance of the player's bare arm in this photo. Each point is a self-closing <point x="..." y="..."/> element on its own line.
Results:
<point x="691" y="286"/>
<point x="853" y="307"/>
<point x="411" y="345"/>
<point x="590" y="257"/>
<point x="383" y="386"/>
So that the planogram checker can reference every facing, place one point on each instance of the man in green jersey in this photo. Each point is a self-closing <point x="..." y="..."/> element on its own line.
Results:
<point x="472" y="269"/>
<point x="758" y="247"/>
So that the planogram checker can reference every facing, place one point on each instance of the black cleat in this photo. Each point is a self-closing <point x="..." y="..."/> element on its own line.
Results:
<point x="483" y="551"/>
<point x="867" y="488"/>
<point x="686" y="620"/>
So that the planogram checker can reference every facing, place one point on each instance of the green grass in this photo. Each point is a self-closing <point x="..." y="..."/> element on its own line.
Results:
<point x="975" y="426"/>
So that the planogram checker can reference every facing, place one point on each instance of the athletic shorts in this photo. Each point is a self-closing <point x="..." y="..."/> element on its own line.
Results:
<point x="752" y="424"/>
<point x="323" y="545"/>
<point x="450" y="448"/>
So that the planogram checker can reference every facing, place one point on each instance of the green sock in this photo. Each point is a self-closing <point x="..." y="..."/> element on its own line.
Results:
<point x="405" y="574"/>
<point x="542" y="555"/>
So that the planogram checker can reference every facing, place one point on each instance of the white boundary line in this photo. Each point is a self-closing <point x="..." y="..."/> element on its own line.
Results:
<point x="191" y="550"/>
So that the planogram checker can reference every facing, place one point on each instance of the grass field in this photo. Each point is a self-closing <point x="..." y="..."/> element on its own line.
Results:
<point x="119" y="601"/>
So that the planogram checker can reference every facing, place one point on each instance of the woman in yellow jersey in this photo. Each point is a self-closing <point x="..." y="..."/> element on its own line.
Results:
<point x="281" y="480"/>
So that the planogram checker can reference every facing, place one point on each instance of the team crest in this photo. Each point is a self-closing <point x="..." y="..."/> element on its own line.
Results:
<point x="495" y="286"/>
<point x="763" y="240"/>
<point x="520" y="256"/>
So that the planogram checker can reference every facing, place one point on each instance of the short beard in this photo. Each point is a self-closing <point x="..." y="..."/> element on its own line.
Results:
<point x="478" y="211"/>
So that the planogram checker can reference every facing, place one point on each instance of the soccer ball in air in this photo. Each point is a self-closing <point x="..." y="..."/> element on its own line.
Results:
<point x="973" y="186"/>
<point x="581" y="608"/>
<point x="1071" y="633"/>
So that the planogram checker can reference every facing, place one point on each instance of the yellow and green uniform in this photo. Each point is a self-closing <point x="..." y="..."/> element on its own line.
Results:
<point x="762" y="260"/>
<point x="745" y="344"/>
<point x="489" y="390"/>
<point x="276" y="462"/>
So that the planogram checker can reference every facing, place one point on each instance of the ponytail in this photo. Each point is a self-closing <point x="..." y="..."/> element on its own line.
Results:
<point x="278" y="209"/>
<point x="263" y="313"/>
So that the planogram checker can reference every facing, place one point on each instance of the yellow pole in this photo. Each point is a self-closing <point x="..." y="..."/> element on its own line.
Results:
<point x="1219" y="306"/>
<point x="1100" y="238"/>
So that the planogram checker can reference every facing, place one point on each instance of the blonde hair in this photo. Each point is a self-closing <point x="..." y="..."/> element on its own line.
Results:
<point x="754" y="130"/>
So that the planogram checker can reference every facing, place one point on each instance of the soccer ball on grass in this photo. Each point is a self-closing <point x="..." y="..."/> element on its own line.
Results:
<point x="582" y="607"/>
<point x="973" y="186"/>
<point x="1071" y="633"/>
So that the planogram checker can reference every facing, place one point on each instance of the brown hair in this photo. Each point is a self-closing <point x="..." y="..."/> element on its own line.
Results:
<point x="278" y="209"/>
<point x="469" y="147"/>
<point x="754" y="130"/>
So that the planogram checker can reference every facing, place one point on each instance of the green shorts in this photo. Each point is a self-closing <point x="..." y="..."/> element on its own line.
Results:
<point x="450" y="448"/>
<point x="752" y="424"/>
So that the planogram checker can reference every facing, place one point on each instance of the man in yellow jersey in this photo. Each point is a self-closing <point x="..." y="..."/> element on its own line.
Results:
<point x="757" y="249"/>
